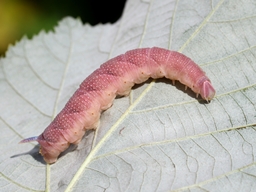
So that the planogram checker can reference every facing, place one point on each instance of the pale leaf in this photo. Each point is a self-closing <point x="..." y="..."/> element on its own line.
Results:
<point x="160" y="138"/>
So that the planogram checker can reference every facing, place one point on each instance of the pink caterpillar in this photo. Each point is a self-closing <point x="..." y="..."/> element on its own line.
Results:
<point x="116" y="77"/>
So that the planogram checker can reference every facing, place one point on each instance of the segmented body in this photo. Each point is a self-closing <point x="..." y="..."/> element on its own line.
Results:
<point x="116" y="77"/>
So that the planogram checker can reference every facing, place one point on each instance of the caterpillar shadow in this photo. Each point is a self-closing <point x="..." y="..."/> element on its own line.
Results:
<point x="178" y="85"/>
<point x="34" y="152"/>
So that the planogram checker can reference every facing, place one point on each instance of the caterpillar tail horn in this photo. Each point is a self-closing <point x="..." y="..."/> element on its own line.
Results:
<point x="30" y="139"/>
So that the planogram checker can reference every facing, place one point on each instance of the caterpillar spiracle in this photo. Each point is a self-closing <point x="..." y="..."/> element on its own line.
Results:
<point x="116" y="77"/>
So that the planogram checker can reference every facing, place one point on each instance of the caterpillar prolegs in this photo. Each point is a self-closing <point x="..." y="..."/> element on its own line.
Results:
<point x="116" y="77"/>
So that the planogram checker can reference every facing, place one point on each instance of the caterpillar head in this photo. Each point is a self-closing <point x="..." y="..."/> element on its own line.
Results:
<point x="204" y="87"/>
<point x="207" y="91"/>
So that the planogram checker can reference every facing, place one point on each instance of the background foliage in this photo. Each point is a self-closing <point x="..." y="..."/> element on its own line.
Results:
<point x="28" y="17"/>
